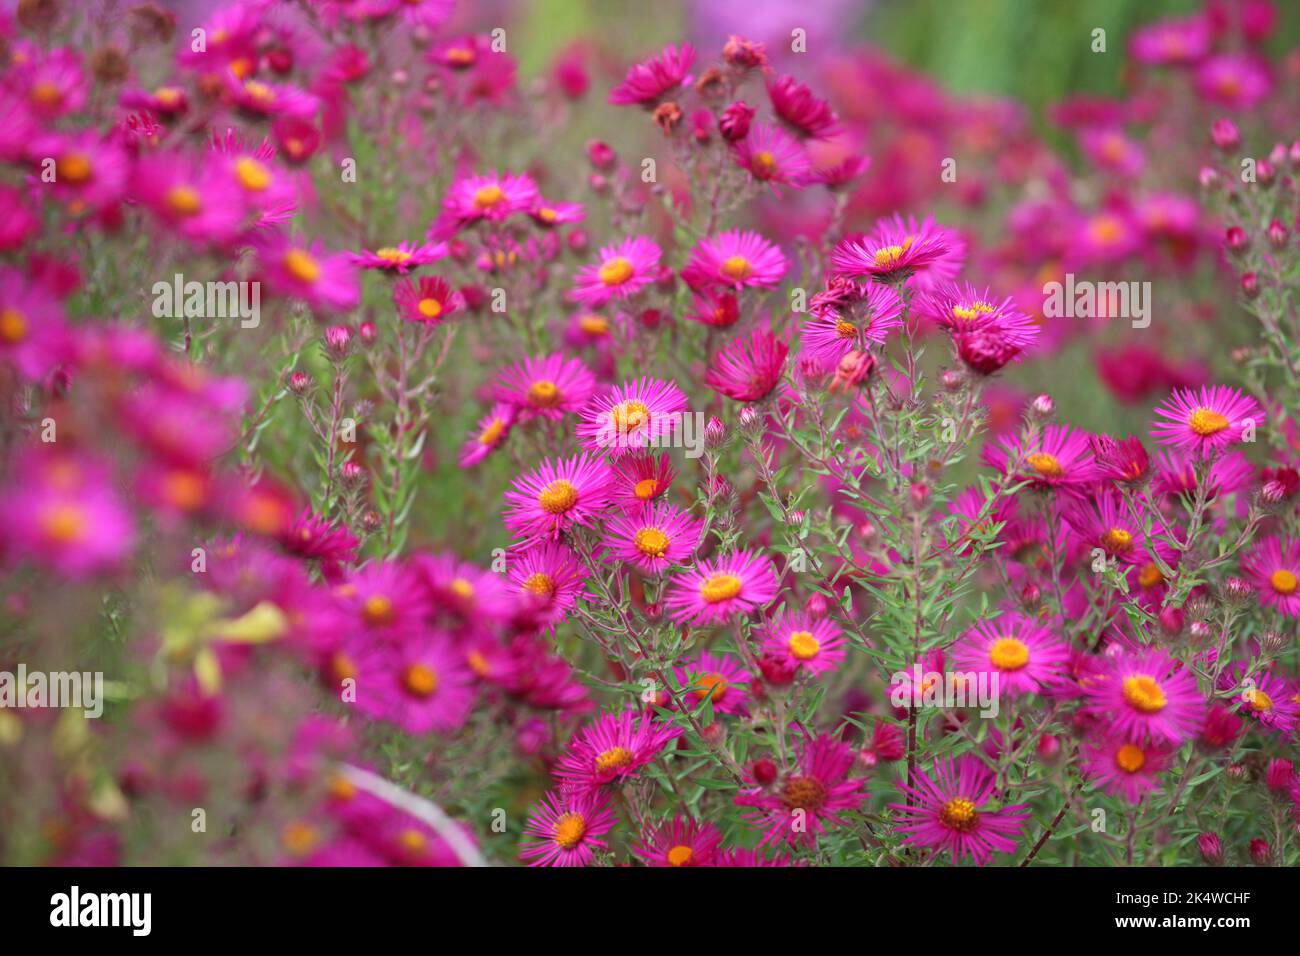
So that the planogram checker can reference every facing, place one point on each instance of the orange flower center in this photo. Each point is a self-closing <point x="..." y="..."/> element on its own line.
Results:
<point x="616" y="271"/>
<point x="1130" y="758"/>
<point x="544" y="394"/>
<point x="1144" y="693"/>
<point x="184" y="201"/>
<point x="1117" y="540"/>
<point x="420" y="680"/>
<point x="13" y="326"/>
<point x="1046" y="465"/>
<point x="804" y="793"/>
<point x="492" y="433"/>
<point x="646" y="488"/>
<point x="720" y="587"/>
<point x="301" y="265"/>
<point x="429" y="308"/>
<point x="680" y="855"/>
<point x="803" y="646"/>
<point x="1206" y="422"/>
<point x="1283" y="581"/>
<point x="616" y="758"/>
<point x="630" y="415"/>
<point x="651" y="542"/>
<point x="1008" y="654"/>
<point x="959" y="814"/>
<point x="377" y="611"/>
<point x="74" y="168"/>
<point x="737" y="268"/>
<point x="541" y="584"/>
<point x="558" y="497"/>
<point x="763" y="165"/>
<point x="569" y="830"/>
<point x="251" y="174"/>
<point x="64" y="523"/>
<point x="488" y="196"/>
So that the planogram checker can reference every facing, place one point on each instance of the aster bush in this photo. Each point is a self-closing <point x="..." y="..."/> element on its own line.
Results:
<point x="750" y="455"/>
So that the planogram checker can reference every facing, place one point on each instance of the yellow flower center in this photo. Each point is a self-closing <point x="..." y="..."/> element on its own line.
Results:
<point x="1144" y="693"/>
<point x="13" y="326"/>
<point x="651" y="542"/>
<point x="184" y="201"/>
<point x="478" y="664"/>
<point x="64" y="523"/>
<point x="429" y="308"/>
<point x="1117" y="540"/>
<point x="393" y="255"/>
<point x="546" y="214"/>
<point x="462" y="589"/>
<point x="804" y="793"/>
<point x="301" y="265"/>
<point x="541" y="584"/>
<point x="299" y="838"/>
<point x="420" y="680"/>
<point x="967" y="313"/>
<point x="1046" y="465"/>
<point x="737" y="268"/>
<point x="764" y="165"/>
<point x="803" y="646"/>
<point x="680" y="855"/>
<point x="74" y="168"/>
<point x="845" y="329"/>
<point x="720" y="587"/>
<point x="558" y="497"/>
<point x="492" y="433"/>
<point x="1283" y="581"/>
<point x="544" y="394"/>
<point x="569" y="830"/>
<point x="377" y="611"/>
<point x="1206" y="422"/>
<point x="342" y="667"/>
<point x="594" y="325"/>
<point x="413" y="841"/>
<point x="1258" y="700"/>
<point x="184" y="489"/>
<point x="646" y="488"/>
<point x="168" y="97"/>
<point x="1150" y="576"/>
<point x="251" y="174"/>
<point x="959" y="814"/>
<point x="888" y="257"/>
<point x="46" y="94"/>
<point x="488" y="196"/>
<point x="1009" y="654"/>
<point x="616" y="271"/>
<point x="710" y="685"/>
<point x="259" y="93"/>
<point x="1130" y="758"/>
<point x="630" y="415"/>
<point x="616" y="758"/>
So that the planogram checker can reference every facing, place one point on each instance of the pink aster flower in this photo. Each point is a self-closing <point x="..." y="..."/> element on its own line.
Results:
<point x="960" y="308"/>
<point x="612" y="749"/>
<point x="811" y="797"/>
<point x="1147" y="695"/>
<point x="624" y="270"/>
<point x="682" y="841"/>
<point x="1235" y="81"/>
<point x="401" y="258"/>
<point x="1124" y="769"/>
<point x="324" y="280"/>
<point x="428" y="300"/>
<point x="850" y="317"/>
<point x="491" y="197"/>
<point x="719" y="679"/>
<point x="1274" y="567"/>
<point x="492" y="430"/>
<point x="799" y="108"/>
<point x="735" y="259"/>
<point x="949" y="811"/>
<point x="549" y="386"/>
<point x="550" y="214"/>
<point x="90" y="173"/>
<point x="1105" y="521"/>
<point x="896" y="248"/>
<point x="648" y="82"/>
<point x="653" y="538"/>
<point x="1060" y="457"/>
<point x="62" y="513"/>
<point x="804" y="643"/>
<point x="192" y="196"/>
<point x="1204" y="421"/>
<point x="556" y="495"/>
<point x="1171" y="42"/>
<point x="1263" y="696"/>
<point x="33" y="335"/>
<point x="717" y="588"/>
<point x="640" y="478"/>
<point x="421" y="685"/>
<point x="773" y="156"/>
<point x="549" y="577"/>
<point x="565" y="828"/>
<point x="463" y="590"/>
<point x="1025" y="656"/>
<point x="749" y="367"/>
<point x="639" y="413"/>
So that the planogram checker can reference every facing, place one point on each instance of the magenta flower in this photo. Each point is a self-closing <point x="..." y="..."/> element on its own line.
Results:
<point x="1238" y="82"/>
<point x="804" y="643"/>
<point x="558" y="494"/>
<point x="612" y="749"/>
<point x="490" y="197"/>
<point x="195" y="198"/>
<point x="718" y="588"/>
<point x="1147" y="695"/>
<point x="653" y="538"/>
<point x="948" y="811"/>
<point x="426" y="301"/>
<point x="640" y="478"/>
<point x="719" y="679"/>
<point x="681" y="841"/>
<point x="800" y="109"/>
<point x="811" y="797"/>
<point x="1274" y="567"/>
<point x="639" y="413"/>
<point x="1025" y="657"/>
<point x="1206" y="420"/>
<point x="624" y="270"/>
<point x="648" y="82"/>
<point x="736" y="259"/>
<point x="850" y="317"/>
<point x="896" y="248"/>
<point x="773" y="156"/>
<point x="748" y="368"/>
<point x="549" y="386"/>
<point x="963" y="308"/>
<point x="34" y="338"/>
<point x="1265" y="697"/>
<point x="1125" y="769"/>
<point x="565" y="828"/>
<point x="422" y="685"/>
<point x="549" y="577"/>
<point x="401" y="258"/>
<point x="1171" y="42"/>
<point x="492" y="430"/>
<point x="325" y="281"/>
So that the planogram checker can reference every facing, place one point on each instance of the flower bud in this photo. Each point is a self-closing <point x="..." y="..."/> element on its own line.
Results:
<point x="1225" y="135"/>
<point x="1250" y="285"/>
<point x="1265" y="173"/>
<point x="715" y="433"/>
<point x="601" y="155"/>
<point x="299" y="383"/>
<point x="1211" y="848"/>
<point x="1235" y="239"/>
<point x="764" y="771"/>
<point x="338" y="341"/>
<point x="353" y="475"/>
<point x="1043" y="406"/>
<point x="1049" y="748"/>
<point x="371" y="522"/>
<point x="1278" y="236"/>
<point x="368" y="333"/>
<point x="1172" y="620"/>
<point x="735" y="121"/>
<point x="1261" y="853"/>
<point x="1279" y="775"/>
